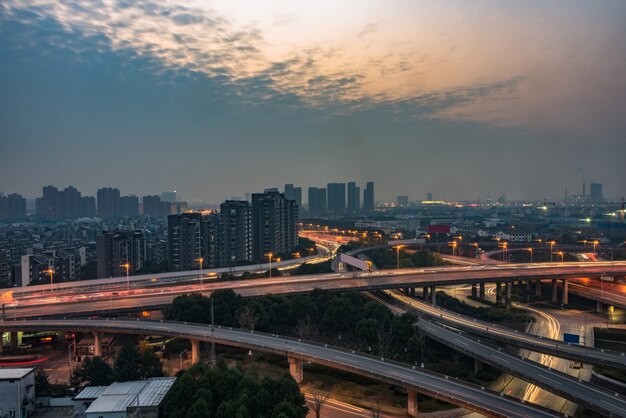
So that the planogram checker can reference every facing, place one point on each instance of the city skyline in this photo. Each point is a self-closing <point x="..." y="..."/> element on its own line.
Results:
<point x="224" y="98"/>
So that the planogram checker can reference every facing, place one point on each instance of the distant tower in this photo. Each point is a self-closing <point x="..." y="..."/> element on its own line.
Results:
<point x="596" y="193"/>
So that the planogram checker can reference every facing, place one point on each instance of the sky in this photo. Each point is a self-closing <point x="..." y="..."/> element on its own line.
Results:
<point x="218" y="98"/>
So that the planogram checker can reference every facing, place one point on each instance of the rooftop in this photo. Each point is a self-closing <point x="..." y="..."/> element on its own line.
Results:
<point x="120" y="395"/>
<point x="15" y="373"/>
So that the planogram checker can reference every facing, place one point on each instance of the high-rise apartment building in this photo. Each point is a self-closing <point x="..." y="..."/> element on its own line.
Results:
<point x="117" y="249"/>
<point x="169" y="197"/>
<point x="402" y="201"/>
<point x="336" y="198"/>
<point x="12" y="206"/>
<point x="184" y="241"/>
<point x="108" y="202"/>
<point x="65" y="204"/>
<point x="236" y="233"/>
<point x="294" y="193"/>
<point x="368" y="197"/>
<point x="274" y="224"/>
<point x="596" y="193"/>
<point x="154" y="207"/>
<point x="354" y="198"/>
<point x="129" y="206"/>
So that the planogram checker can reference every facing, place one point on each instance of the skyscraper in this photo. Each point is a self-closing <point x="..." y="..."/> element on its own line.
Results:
<point x="274" y="224"/>
<point x="336" y="198"/>
<point x="65" y="204"/>
<point x="294" y="193"/>
<point x="12" y="206"/>
<point x="129" y="206"/>
<point x="354" y="198"/>
<point x="317" y="201"/>
<point x="236" y="233"/>
<point x="169" y="197"/>
<point x="154" y="207"/>
<point x="184" y="241"/>
<point x="108" y="202"/>
<point x="368" y="197"/>
<point x="115" y="249"/>
<point x="402" y="201"/>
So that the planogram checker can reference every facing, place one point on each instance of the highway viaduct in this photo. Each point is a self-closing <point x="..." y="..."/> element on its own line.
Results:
<point x="413" y="379"/>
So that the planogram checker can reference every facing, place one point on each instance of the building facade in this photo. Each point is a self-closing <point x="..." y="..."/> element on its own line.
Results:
<point x="17" y="392"/>
<point x="117" y="249"/>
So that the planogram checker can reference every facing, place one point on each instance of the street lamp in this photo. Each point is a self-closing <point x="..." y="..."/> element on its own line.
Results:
<point x="127" y="267"/>
<point x="562" y="254"/>
<point x="398" y="247"/>
<point x="531" y="254"/>
<point x="551" y="247"/>
<point x="269" y="255"/>
<point x="200" y="261"/>
<point x="596" y="242"/>
<point x="51" y="272"/>
<point x="504" y="247"/>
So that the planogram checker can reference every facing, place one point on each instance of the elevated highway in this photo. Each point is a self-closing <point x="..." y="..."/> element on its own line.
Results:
<point x="414" y="380"/>
<point x="590" y="396"/>
<point x="506" y="335"/>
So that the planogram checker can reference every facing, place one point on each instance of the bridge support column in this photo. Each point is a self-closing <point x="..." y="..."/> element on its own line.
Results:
<point x="1" y="342"/>
<point x="195" y="351"/>
<point x="433" y="296"/>
<point x="97" y="344"/>
<point x="478" y="365"/>
<point x="598" y="307"/>
<point x="425" y="293"/>
<point x="481" y="290"/>
<point x="474" y="290"/>
<point x="565" y="297"/>
<point x="13" y="341"/>
<point x="499" y="293"/>
<point x="412" y="408"/>
<point x="507" y="300"/>
<point x="554" y="291"/>
<point x="295" y="368"/>
<point x="538" y="288"/>
<point x="528" y="287"/>
<point x="412" y="291"/>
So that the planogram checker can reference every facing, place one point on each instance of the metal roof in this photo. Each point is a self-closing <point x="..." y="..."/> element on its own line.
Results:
<point x="14" y="373"/>
<point x="120" y="395"/>
<point x="90" y="392"/>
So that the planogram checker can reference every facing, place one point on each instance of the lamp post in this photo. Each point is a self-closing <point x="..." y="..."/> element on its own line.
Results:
<point x="269" y="255"/>
<point x="200" y="261"/>
<point x="595" y="243"/>
<point x="551" y="247"/>
<point x="127" y="267"/>
<point x="531" y="254"/>
<point x="51" y="272"/>
<point x="398" y="247"/>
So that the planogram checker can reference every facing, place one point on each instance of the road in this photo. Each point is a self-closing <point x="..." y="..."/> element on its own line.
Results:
<point x="94" y="300"/>
<point x="584" y="394"/>
<point x="432" y="384"/>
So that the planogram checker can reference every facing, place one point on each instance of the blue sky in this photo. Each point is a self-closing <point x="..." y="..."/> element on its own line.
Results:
<point x="219" y="98"/>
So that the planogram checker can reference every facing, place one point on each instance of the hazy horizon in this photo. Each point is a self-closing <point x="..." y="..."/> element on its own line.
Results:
<point x="219" y="98"/>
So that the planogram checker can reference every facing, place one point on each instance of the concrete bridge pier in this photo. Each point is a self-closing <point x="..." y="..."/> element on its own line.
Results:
<point x="499" y="293"/>
<point x="433" y="295"/>
<point x="599" y="307"/>
<point x="528" y="287"/>
<point x="13" y="341"/>
<point x="295" y="368"/>
<point x="538" y="288"/>
<point x="481" y="290"/>
<point x="474" y="290"/>
<point x="507" y="300"/>
<point x="412" y="408"/>
<point x="97" y="344"/>
<point x="412" y="291"/>
<point x="195" y="351"/>
<point x="565" y="297"/>
<point x="425" y="293"/>
<point x="478" y="365"/>
<point x="554" y="291"/>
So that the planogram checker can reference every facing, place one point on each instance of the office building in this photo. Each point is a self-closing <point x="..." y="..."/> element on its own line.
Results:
<point x="596" y="193"/>
<point x="17" y="392"/>
<point x="336" y="198"/>
<point x="274" y="224"/>
<point x="116" y="249"/>
<point x="402" y="201"/>
<point x="12" y="207"/>
<point x="368" y="197"/>
<point x="108" y="202"/>
<point x="354" y="198"/>
<point x="236" y="233"/>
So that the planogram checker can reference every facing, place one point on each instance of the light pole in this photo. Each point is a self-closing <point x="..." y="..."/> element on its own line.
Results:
<point x="269" y="255"/>
<point x="127" y="267"/>
<point x="200" y="261"/>
<point x="398" y="247"/>
<point x="595" y="243"/>
<point x="51" y="272"/>
<point x="551" y="247"/>
<point x="562" y="254"/>
<point x="531" y="254"/>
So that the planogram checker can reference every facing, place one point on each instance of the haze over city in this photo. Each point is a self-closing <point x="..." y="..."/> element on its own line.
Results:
<point x="216" y="99"/>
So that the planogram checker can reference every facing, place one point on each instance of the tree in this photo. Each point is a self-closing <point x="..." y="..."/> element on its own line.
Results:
<point x="247" y="318"/>
<point x="93" y="371"/>
<point x="42" y="383"/>
<point x="149" y="364"/>
<point x="127" y="364"/>
<point x="318" y="399"/>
